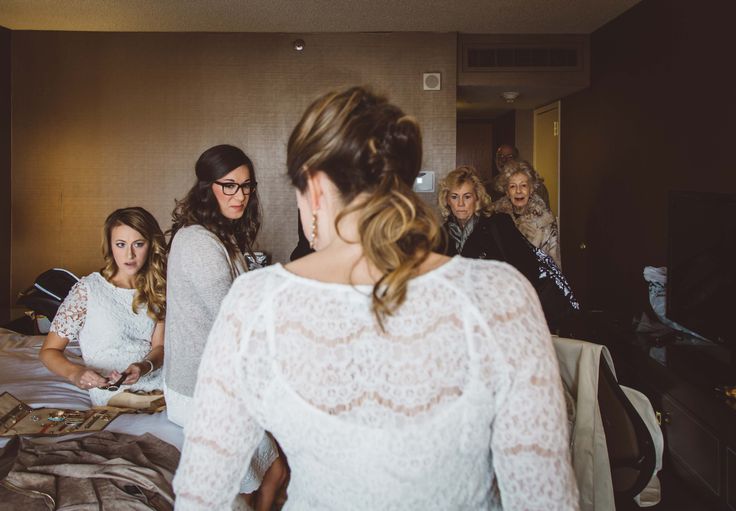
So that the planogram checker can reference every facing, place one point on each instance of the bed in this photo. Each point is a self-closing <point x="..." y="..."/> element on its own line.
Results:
<point x="23" y="375"/>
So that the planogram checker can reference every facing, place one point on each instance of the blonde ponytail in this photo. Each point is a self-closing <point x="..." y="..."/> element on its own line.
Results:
<point x="398" y="231"/>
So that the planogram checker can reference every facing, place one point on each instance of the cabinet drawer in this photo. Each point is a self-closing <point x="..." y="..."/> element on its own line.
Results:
<point x="693" y="445"/>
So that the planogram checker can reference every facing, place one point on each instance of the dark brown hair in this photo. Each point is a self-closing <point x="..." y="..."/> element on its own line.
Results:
<point x="200" y="207"/>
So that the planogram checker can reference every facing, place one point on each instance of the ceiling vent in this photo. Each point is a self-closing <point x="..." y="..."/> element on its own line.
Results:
<point x="503" y="54"/>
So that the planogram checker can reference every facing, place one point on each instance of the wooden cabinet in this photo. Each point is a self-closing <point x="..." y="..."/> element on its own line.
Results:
<point x="680" y="377"/>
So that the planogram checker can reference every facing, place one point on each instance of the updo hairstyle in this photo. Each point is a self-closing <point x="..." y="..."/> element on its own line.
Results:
<point x="364" y="144"/>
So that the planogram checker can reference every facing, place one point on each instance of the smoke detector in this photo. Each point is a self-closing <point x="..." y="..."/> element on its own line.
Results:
<point x="510" y="96"/>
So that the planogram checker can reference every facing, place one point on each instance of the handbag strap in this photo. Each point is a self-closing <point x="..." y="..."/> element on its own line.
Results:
<point x="497" y="238"/>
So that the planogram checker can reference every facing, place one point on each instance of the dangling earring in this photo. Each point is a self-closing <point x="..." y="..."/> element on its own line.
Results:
<point x="313" y="234"/>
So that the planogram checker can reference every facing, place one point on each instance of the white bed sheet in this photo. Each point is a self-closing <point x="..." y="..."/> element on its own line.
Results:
<point x="23" y="375"/>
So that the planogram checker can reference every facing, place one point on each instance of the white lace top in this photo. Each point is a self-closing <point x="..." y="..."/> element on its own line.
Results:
<point x="111" y="336"/>
<point x="458" y="406"/>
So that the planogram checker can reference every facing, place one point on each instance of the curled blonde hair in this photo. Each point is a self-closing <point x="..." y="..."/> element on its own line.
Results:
<point x="150" y="282"/>
<point x="454" y="180"/>
<point x="364" y="144"/>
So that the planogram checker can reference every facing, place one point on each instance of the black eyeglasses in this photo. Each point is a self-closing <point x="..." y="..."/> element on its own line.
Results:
<point x="248" y="187"/>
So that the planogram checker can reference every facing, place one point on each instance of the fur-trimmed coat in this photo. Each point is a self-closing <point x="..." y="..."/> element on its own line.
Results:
<point x="536" y="223"/>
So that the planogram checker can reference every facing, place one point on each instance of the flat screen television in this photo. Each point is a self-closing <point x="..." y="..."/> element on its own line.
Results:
<point x="701" y="265"/>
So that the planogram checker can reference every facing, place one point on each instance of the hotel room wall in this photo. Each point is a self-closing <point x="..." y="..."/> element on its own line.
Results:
<point x="659" y="116"/>
<point x="4" y="174"/>
<point x="106" y="120"/>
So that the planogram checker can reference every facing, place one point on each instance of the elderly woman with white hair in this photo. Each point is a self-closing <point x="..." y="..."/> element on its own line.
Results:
<point x="531" y="215"/>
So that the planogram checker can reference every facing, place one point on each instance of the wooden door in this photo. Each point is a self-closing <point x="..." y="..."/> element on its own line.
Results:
<point x="547" y="150"/>
<point x="474" y="146"/>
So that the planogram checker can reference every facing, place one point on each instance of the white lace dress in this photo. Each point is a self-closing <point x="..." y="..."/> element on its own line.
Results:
<point x="458" y="406"/>
<point x="111" y="336"/>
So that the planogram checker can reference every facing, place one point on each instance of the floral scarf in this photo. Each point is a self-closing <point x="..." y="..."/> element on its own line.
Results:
<point x="460" y="234"/>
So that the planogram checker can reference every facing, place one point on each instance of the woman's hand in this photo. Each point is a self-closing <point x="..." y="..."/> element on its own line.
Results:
<point x="134" y="372"/>
<point x="86" y="379"/>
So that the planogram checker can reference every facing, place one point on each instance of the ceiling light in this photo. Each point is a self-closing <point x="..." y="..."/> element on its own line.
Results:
<point x="510" y="96"/>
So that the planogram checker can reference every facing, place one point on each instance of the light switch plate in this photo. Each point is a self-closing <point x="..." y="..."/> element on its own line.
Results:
<point x="424" y="183"/>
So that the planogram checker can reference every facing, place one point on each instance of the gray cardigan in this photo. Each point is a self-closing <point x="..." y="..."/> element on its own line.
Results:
<point x="198" y="277"/>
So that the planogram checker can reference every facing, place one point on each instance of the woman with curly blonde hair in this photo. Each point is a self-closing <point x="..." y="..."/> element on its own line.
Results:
<point x="471" y="228"/>
<point x="393" y="377"/>
<point x="116" y="315"/>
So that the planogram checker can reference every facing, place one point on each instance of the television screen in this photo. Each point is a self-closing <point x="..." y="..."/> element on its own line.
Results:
<point x="701" y="264"/>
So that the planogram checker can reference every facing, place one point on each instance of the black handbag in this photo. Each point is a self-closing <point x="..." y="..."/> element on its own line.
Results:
<point x="555" y="293"/>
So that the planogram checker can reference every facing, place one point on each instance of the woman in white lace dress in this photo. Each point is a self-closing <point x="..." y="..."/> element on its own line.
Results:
<point x="116" y="315"/>
<point x="393" y="377"/>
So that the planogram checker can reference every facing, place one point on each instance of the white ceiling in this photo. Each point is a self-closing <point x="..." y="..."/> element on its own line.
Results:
<point x="301" y="16"/>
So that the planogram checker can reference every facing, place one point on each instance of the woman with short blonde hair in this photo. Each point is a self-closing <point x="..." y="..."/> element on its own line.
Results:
<point x="456" y="179"/>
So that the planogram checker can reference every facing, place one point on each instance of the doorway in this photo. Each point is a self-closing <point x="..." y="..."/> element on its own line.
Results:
<point x="547" y="150"/>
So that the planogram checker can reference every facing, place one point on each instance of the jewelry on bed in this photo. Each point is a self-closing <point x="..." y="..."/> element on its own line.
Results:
<point x="94" y="419"/>
<point x="15" y="415"/>
<point x="84" y="423"/>
<point x="57" y="416"/>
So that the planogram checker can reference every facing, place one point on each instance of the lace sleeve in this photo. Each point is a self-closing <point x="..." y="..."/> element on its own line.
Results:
<point x="69" y="319"/>
<point x="221" y="435"/>
<point x="530" y="448"/>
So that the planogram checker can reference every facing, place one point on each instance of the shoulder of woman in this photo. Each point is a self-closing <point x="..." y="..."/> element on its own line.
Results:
<point x="89" y="280"/>
<point x="539" y="209"/>
<point x="492" y="280"/>
<point x="195" y="236"/>
<point x="502" y="205"/>
<point x="498" y="218"/>
<point x="258" y="283"/>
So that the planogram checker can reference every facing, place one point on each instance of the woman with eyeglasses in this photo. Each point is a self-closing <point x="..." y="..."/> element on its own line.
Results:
<point x="213" y="227"/>
<point x="116" y="314"/>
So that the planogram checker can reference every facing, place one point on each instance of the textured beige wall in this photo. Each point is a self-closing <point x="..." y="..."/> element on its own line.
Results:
<point x="106" y="120"/>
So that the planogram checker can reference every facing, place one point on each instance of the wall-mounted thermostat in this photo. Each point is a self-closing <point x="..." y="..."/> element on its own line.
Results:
<point x="424" y="183"/>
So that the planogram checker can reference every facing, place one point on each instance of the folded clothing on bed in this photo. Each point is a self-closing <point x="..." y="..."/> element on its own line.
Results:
<point x="104" y="470"/>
